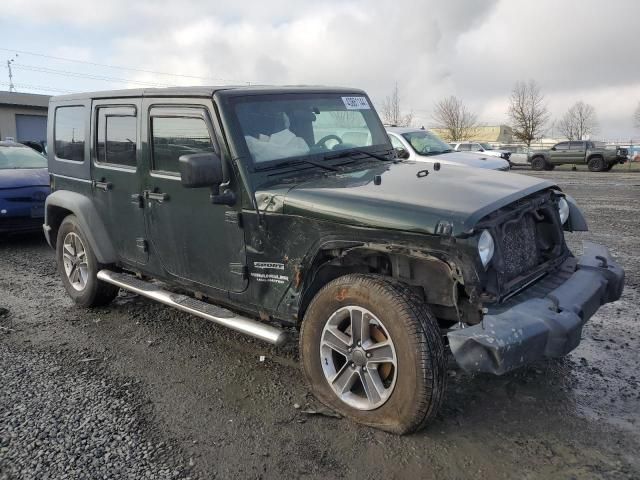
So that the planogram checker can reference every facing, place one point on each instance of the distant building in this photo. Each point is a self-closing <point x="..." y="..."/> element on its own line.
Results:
<point x="23" y="116"/>
<point x="497" y="134"/>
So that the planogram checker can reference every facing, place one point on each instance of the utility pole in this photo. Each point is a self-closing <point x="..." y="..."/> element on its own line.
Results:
<point x="12" y="87"/>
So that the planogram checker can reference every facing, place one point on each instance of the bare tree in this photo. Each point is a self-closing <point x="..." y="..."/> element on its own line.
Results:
<point x="636" y="116"/>
<point x="527" y="111"/>
<point x="392" y="112"/>
<point x="579" y="122"/>
<point x="454" y="120"/>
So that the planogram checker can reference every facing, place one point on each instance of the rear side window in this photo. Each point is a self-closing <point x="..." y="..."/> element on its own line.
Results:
<point x="117" y="136"/>
<point x="69" y="133"/>
<point x="464" y="147"/>
<point x="176" y="136"/>
<point x="577" y="146"/>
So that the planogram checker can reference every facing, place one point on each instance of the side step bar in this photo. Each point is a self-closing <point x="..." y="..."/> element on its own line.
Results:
<point x="213" y="313"/>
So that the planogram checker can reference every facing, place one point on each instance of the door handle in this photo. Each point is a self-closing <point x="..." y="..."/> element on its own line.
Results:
<point x="157" y="196"/>
<point x="102" y="185"/>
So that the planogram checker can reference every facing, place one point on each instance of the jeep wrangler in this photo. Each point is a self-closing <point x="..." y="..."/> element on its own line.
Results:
<point x="263" y="208"/>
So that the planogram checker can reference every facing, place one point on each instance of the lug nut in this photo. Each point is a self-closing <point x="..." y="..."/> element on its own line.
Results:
<point x="353" y="365"/>
<point x="358" y="343"/>
<point x="364" y="368"/>
<point x="368" y="355"/>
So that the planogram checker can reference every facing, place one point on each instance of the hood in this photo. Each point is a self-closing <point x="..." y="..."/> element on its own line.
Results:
<point x="24" y="177"/>
<point x="468" y="159"/>
<point x="406" y="199"/>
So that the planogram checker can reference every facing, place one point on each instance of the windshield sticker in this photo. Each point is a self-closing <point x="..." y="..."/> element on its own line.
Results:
<point x="266" y="265"/>
<point x="270" y="277"/>
<point x="356" y="103"/>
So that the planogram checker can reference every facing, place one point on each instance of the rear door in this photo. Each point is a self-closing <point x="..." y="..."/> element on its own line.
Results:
<point x="578" y="151"/>
<point x="194" y="239"/>
<point x="115" y="154"/>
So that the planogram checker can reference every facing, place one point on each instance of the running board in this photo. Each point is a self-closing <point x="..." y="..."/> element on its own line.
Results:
<point x="213" y="313"/>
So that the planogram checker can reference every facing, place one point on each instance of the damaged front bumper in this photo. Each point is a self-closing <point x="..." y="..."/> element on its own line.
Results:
<point x="545" y="320"/>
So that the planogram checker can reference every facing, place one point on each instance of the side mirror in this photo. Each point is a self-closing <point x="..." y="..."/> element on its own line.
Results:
<point x="401" y="152"/>
<point x="200" y="170"/>
<point x="553" y="148"/>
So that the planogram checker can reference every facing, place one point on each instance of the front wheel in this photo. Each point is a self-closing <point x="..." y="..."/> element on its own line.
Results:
<point x="538" y="163"/>
<point x="78" y="267"/>
<point x="372" y="350"/>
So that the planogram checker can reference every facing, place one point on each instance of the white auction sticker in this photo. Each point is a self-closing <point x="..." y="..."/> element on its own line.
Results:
<point x="356" y="103"/>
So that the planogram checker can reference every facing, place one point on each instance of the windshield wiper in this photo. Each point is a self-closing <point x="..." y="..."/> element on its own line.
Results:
<point x="288" y="163"/>
<point x="351" y="152"/>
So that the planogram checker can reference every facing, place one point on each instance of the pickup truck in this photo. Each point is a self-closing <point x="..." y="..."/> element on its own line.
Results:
<point x="596" y="157"/>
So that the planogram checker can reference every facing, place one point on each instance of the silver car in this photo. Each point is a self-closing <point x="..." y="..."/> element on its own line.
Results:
<point x="424" y="146"/>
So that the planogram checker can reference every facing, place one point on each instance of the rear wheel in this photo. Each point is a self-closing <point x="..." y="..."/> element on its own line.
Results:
<point x="549" y="166"/>
<point x="538" y="163"/>
<point x="78" y="267"/>
<point x="608" y="167"/>
<point x="372" y="350"/>
<point x="596" y="164"/>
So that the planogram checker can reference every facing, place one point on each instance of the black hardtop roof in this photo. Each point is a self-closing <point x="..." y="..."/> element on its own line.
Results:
<point x="205" y="91"/>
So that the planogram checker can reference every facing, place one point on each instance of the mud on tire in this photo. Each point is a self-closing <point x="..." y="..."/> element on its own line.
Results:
<point x="88" y="290"/>
<point x="419" y="381"/>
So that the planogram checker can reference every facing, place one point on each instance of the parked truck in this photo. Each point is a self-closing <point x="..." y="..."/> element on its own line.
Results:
<point x="597" y="157"/>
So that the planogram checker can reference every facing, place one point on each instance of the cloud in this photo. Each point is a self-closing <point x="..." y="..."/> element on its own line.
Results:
<point x="475" y="50"/>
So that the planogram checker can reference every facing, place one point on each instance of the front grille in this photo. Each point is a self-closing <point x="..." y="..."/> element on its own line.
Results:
<point x="529" y="242"/>
<point x="519" y="247"/>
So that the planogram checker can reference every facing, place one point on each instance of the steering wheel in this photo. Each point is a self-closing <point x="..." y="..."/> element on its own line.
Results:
<point x="326" y="138"/>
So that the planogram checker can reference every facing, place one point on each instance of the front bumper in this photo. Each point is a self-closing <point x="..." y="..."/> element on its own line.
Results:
<point x="543" y="321"/>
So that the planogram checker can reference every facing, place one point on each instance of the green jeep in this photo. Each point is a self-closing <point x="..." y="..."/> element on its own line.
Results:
<point x="267" y="209"/>
<point x="595" y="156"/>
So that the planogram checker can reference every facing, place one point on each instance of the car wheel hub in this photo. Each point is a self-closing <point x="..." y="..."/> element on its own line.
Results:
<point x="358" y="358"/>
<point x="74" y="261"/>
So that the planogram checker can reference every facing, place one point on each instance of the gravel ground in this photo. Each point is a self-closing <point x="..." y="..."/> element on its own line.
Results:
<point x="171" y="396"/>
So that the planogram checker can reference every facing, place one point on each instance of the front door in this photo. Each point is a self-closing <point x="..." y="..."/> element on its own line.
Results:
<point x="115" y="176"/>
<point x="561" y="154"/>
<point x="193" y="239"/>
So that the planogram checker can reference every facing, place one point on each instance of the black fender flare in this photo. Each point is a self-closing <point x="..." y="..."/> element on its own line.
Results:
<point x="88" y="217"/>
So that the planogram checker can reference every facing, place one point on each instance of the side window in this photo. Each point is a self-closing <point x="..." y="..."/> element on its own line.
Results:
<point x="395" y="143"/>
<point x="476" y="147"/>
<point x="68" y="133"/>
<point x="117" y="136"/>
<point x="577" y="146"/>
<point x="464" y="147"/>
<point x="562" y="146"/>
<point x="176" y="136"/>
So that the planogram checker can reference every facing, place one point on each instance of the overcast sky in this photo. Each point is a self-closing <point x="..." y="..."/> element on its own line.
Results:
<point x="577" y="50"/>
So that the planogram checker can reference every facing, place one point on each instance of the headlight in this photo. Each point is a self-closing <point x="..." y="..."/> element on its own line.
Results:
<point x="563" y="210"/>
<point x="486" y="247"/>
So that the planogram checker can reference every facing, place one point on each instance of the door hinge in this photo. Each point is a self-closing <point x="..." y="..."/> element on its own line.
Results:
<point x="231" y="216"/>
<point x="142" y="245"/>
<point x="239" y="269"/>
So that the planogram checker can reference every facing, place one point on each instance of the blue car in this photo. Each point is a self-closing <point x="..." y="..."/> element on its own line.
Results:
<point x="24" y="186"/>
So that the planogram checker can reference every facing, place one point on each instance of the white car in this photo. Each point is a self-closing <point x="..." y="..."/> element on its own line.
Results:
<point x="424" y="146"/>
<point x="480" y="147"/>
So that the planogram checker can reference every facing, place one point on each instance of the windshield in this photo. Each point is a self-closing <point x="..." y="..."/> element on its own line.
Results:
<point x="20" y="157"/>
<point x="277" y="127"/>
<point x="426" y="143"/>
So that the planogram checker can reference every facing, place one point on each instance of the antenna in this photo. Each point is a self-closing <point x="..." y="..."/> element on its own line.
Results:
<point x="12" y="87"/>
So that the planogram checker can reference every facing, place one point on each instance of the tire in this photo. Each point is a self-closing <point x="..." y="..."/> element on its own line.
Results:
<point x="412" y="389"/>
<point x="81" y="282"/>
<point x="549" y="167"/>
<point x="596" y="164"/>
<point x="538" y="163"/>
<point x="609" y="167"/>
